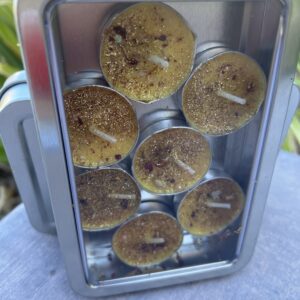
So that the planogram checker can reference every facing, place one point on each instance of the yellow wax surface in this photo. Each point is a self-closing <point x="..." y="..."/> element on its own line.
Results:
<point x="147" y="52"/>
<point x="147" y="240"/>
<point x="99" y="208"/>
<point x="196" y="217"/>
<point x="172" y="160"/>
<point x="103" y="110"/>
<point x="234" y="73"/>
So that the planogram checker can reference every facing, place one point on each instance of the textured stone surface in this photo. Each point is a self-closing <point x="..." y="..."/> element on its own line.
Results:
<point x="31" y="265"/>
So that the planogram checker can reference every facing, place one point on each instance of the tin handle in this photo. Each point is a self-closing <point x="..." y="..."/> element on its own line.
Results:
<point x="19" y="136"/>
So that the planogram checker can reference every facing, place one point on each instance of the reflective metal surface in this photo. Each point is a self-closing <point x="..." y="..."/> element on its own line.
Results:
<point x="19" y="136"/>
<point x="50" y="34"/>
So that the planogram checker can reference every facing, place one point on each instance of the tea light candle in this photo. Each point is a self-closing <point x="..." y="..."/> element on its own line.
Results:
<point x="171" y="160"/>
<point x="147" y="51"/>
<point x="107" y="197"/>
<point x="211" y="207"/>
<point x="223" y="93"/>
<point x="102" y="126"/>
<point x="147" y="240"/>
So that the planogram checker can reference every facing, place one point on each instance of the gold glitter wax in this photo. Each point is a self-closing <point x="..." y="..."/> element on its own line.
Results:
<point x="147" y="240"/>
<point x="172" y="160"/>
<point x="102" y="126"/>
<point x="231" y="72"/>
<point x="198" y="216"/>
<point x="107" y="197"/>
<point x="147" y="52"/>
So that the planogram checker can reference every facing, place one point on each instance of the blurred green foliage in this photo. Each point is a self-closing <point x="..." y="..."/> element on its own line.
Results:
<point x="10" y="58"/>
<point x="292" y="141"/>
<point x="10" y="62"/>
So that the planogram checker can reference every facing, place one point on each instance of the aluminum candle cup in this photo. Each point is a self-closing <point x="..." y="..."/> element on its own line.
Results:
<point x="148" y="239"/>
<point x="102" y="124"/>
<point x="171" y="158"/>
<point x="166" y="199"/>
<point x="211" y="207"/>
<point x="223" y="93"/>
<point x="107" y="198"/>
<point x="147" y="51"/>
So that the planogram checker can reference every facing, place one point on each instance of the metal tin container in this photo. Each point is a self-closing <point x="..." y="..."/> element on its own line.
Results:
<point x="166" y="199"/>
<point x="219" y="238"/>
<point x="265" y="30"/>
<point x="163" y="122"/>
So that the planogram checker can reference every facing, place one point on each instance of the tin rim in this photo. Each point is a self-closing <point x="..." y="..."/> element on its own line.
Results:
<point x="199" y="67"/>
<point x="159" y="131"/>
<point x="99" y="229"/>
<point x="116" y="11"/>
<point x="68" y="90"/>
<point x="204" y="181"/>
<point x="139" y="216"/>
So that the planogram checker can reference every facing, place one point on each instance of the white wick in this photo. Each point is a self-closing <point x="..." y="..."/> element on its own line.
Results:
<point x="155" y="241"/>
<point x="231" y="97"/>
<point x="102" y="135"/>
<point x="159" y="61"/>
<point x="218" y="205"/>
<point x="122" y="196"/>
<point x="184" y="166"/>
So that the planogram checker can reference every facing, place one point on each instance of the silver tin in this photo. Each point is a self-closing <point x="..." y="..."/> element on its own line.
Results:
<point x="266" y="30"/>
<point x="146" y="196"/>
<point x="19" y="135"/>
<point x="116" y="10"/>
<point x="84" y="78"/>
<point x="156" y="122"/>
<point x="155" y="205"/>
<point x="217" y="243"/>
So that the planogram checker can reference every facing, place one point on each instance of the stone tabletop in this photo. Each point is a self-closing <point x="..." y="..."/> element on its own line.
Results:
<point x="31" y="265"/>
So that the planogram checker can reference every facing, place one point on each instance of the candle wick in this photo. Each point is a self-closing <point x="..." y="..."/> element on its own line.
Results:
<point x="184" y="166"/>
<point x="159" y="61"/>
<point x="155" y="241"/>
<point x="122" y="196"/>
<point x="102" y="135"/>
<point x="218" y="205"/>
<point x="231" y="97"/>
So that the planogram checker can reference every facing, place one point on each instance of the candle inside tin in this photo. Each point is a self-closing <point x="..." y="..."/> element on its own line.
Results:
<point x="172" y="160"/>
<point x="107" y="198"/>
<point x="102" y="126"/>
<point x="147" y="52"/>
<point x="224" y="93"/>
<point x="210" y="207"/>
<point x="147" y="239"/>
